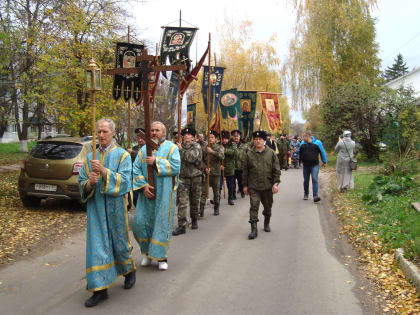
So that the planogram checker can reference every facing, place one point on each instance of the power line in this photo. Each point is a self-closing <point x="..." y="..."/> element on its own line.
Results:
<point x="409" y="41"/>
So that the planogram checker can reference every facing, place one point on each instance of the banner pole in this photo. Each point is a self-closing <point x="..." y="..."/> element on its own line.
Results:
<point x="208" y="119"/>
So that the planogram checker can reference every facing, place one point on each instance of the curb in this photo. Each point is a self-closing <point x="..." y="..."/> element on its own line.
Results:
<point x="410" y="270"/>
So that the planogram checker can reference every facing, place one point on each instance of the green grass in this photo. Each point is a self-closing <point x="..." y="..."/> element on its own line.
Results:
<point x="10" y="152"/>
<point x="332" y="160"/>
<point x="395" y="221"/>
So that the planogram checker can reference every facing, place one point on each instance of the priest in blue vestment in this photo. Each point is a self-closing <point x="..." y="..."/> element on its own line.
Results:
<point x="104" y="184"/>
<point x="154" y="216"/>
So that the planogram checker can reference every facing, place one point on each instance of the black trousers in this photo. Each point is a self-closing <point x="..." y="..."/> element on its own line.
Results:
<point x="230" y="183"/>
<point x="238" y="177"/>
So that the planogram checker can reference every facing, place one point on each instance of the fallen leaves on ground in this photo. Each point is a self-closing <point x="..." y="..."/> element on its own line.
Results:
<point x="27" y="230"/>
<point x="378" y="263"/>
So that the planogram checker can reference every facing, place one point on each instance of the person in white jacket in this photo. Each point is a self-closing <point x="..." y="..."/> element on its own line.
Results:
<point x="345" y="149"/>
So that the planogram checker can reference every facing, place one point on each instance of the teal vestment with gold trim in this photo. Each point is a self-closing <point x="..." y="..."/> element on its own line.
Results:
<point x="108" y="248"/>
<point x="153" y="220"/>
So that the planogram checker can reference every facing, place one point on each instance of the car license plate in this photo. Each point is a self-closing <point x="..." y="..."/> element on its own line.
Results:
<point x="45" y="187"/>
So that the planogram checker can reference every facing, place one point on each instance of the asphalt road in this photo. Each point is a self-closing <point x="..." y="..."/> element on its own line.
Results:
<point x="213" y="270"/>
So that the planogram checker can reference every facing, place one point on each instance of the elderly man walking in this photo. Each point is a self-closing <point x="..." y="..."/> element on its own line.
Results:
<point x="153" y="220"/>
<point x="104" y="184"/>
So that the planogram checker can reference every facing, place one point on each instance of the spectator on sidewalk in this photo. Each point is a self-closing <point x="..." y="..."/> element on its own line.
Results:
<point x="345" y="149"/>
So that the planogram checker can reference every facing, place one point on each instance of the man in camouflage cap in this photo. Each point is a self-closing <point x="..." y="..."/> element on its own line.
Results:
<point x="189" y="189"/>
<point x="241" y="147"/>
<point x="203" y="144"/>
<point x="217" y="155"/>
<point x="261" y="176"/>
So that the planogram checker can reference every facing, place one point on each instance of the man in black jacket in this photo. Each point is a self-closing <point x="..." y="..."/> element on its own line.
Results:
<point x="309" y="152"/>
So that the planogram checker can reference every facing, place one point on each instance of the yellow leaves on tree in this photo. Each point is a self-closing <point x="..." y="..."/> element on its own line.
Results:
<point x="334" y="43"/>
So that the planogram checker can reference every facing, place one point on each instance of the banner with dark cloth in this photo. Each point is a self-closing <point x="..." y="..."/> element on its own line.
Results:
<point x="191" y="112"/>
<point x="125" y="57"/>
<point x="248" y="100"/>
<point x="176" y="42"/>
<point x="230" y="105"/>
<point x="216" y="78"/>
<point x="173" y="90"/>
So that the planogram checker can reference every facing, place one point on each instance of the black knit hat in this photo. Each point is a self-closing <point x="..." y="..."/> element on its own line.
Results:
<point x="225" y="134"/>
<point x="214" y="133"/>
<point x="137" y="130"/>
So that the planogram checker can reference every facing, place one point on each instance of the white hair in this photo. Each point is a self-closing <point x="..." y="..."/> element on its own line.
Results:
<point x="106" y="120"/>
<point x="160" y="124"/>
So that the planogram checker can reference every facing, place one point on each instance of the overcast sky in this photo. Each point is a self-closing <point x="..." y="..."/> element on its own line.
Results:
<point x="398" y="24"/>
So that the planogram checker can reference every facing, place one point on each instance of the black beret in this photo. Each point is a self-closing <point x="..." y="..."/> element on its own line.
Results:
<point x="137" y="130"/>
<point x="259" y="134"/>
<point x="236" y="131"/>
<point x="225" y="134"/>
<point x="191" y="131"/>
<point x="214" y="133"/>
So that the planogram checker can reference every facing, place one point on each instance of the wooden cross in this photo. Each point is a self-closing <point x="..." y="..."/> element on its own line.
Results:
<point x="145" y="68"/>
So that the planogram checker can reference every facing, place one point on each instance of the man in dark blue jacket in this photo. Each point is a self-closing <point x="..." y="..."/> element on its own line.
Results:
<point x="309" y="152"/>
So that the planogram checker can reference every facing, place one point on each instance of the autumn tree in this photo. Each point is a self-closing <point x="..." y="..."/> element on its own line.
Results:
<point x="334" y="43"/>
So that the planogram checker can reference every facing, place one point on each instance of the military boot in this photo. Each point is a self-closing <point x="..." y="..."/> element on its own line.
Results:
<point x="179" y="230"/>
<point x="230" y="201"/>
<point x="267" y="224"/>
<point x="202" y="210"/>
<point x="194" y="224"/>
<point x="216" y="209"/>
<point x="254" y="231"/>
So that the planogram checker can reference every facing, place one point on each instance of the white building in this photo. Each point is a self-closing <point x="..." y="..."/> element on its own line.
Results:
<point x="410" y="79"/>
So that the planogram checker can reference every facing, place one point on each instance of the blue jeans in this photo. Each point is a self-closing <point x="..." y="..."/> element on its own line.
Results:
<point x="308" y="171"/>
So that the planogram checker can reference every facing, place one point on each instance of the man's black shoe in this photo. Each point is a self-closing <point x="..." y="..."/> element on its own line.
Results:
<point x="179" y="230"/>
<point x="267" y="225"/>
<point x="201" y="210"/>
<point x="316" y="199"/>
<point x="212" y="202"/>
<point x="130" y="280"/>
<point x="216" y="209"/>
<point x="242" y="194"/>
<point x="96" y="298"/>
<point x="230" y="202"/>
<point x="305" y="197"/>
<point x="194" y="224"/>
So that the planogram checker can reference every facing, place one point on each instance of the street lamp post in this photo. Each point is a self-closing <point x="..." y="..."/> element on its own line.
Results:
<point x="93" y="84"/>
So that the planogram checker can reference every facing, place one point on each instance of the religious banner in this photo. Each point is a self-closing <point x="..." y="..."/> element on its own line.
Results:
<point x="193" y="74"/>
<point x="176" y="42"/>
<point x="271" y="120"/>
<point x="230" y="105"/>
<point x="173" y="90"/>
<point x="125" y="57"/>
<point x="191" y="112"/>
<point x="248" y="100"/>
<point x="216" y="79"/>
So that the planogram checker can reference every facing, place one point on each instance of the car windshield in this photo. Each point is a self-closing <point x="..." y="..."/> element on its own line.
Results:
<point x="56" y="150"/>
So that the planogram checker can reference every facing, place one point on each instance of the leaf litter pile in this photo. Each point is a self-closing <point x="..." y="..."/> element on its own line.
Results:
<point x="378" y="261"/>
<point x="24" y="231"/>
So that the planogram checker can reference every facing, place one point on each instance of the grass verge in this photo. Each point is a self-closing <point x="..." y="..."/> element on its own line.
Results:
<point x="376" y="230"/>
<point x="10" y="153"/>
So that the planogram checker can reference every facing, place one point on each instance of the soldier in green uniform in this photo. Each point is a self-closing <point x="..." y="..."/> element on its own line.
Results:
<point x="203" y="144"/>
<point x="241" y="147"/>
<point x="229" y="165"/>
<point x="216" y="153"/>
<point x="189" y="190"/>
<point x="261" y="176"/>
<point x="283" y="147"/>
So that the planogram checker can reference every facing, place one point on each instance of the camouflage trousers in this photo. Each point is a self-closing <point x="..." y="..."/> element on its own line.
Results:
<point x="214" y="183"/>
<point x="257" y="196"/>
<point x="189" y="192"/>
<point x="203" y="190"/>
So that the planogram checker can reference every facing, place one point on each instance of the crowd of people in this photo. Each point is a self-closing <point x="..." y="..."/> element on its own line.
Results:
<point x="183" y="173"/>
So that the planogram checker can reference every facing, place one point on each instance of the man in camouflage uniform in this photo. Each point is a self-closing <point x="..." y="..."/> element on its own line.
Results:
<point x="203" y="144"/>
<point x="283" y="147"/>
<point x="241" y="147"/>
<point x="229" y="165"/>
<point x="189" y="189"/>
<point x="261" y="177"/>
<point x="216" y="153"/>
